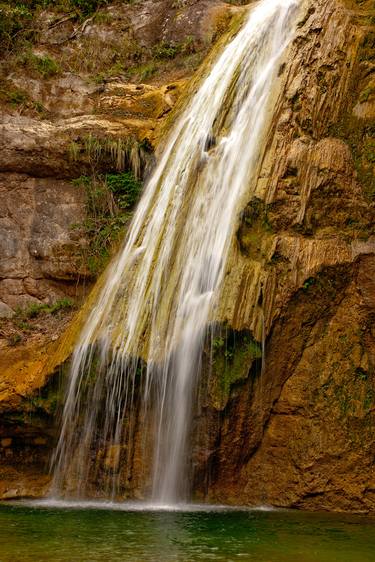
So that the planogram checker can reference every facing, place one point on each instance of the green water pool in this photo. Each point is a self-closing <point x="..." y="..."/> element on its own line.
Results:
<point x="41" y="533"/>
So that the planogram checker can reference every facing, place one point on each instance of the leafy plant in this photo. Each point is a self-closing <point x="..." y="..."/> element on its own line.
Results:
<point x="165" y="50"/>
<point x="17" y="97"/>
<point x="43" y="65"/>
<point x="14" y="19"/>
<point x="109" y="199"/>
<point x="14" y="339"/>
<point x="125" y="188"/>
<point x="35" y="309"/>
<point x="88" y="7"/>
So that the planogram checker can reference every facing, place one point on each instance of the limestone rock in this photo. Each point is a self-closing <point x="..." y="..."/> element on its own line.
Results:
<point x="5" y="311"/>
<point x="300" y="431"/>
<point x="297" y="429"/>
<point x="40" y="244"/>
<point x="68" y="94"/>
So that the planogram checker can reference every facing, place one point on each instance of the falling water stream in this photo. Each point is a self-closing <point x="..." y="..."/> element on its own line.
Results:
<point x="145" y="333"/>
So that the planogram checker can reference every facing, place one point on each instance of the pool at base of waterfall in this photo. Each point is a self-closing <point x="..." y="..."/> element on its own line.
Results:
<point x="63" y="532"/>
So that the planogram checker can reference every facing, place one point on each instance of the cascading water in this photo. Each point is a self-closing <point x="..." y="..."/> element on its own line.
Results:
<point x="135" y="368"/>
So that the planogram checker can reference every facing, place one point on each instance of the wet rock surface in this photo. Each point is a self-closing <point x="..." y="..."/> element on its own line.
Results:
<point x="296" y="430"/>
<point x="300" y="431"/>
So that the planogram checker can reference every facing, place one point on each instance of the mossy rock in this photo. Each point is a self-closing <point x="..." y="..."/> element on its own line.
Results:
<point x="232" y="355"/>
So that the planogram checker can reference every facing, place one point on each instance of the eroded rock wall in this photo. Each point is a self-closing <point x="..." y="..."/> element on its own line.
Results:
<point x="74" y="102"/>
<point x="295" y="427"/>
<point x="300" y="432"/>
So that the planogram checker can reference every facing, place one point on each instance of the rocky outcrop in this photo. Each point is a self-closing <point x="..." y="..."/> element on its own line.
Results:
<point x="39" y="246"/>
<point x="299" y="431"/>
<point x="69" y="109"/>
<point x="42" y="239"/>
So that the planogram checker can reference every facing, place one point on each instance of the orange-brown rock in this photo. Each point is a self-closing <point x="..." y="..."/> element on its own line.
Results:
<point x="300" y="432"/>
<point x="297" y="427"/>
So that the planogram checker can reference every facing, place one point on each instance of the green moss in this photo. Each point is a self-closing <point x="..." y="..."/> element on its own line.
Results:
<point x="309" y="283"/>
<point x="232" y="356"/>
<point x="46" y="402"/>
<point x="255" y="227"/>
<point x="367" y="49"/>
<point x="366" y="94"/>
<point x="368" y="402"/>
<point x="44" y="405"/>
<point x="361" y="374"/>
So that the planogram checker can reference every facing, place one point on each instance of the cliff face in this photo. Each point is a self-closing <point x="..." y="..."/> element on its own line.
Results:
<point x="81" y="98"/>
<point x="295" y="428"/>
<point x="74" y="103"/>
<point x="299" y="429"/>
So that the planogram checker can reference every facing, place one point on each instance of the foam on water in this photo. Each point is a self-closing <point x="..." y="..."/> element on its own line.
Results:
<point x="130" y="506"/>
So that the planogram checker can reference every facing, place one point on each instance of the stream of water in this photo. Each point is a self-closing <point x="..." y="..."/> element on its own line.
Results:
<point x="145" y="334"/>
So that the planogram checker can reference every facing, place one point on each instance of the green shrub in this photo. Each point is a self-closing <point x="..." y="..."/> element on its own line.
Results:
<point x="88" y="7"/>
<point x="18" y="19"/>
<point x="14" y="339"/>
<point x="17" y="97"/>
<point x="125" y="188"/>
<point x="35" y="309"/>
<point x="45" y="66"/>
<point x="165" y="50"/>
<point x="109" y="200"/>
<point x="13" y="20"/>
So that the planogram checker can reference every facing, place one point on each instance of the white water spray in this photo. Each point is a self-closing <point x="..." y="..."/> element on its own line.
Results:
<point x="145" y="334"/>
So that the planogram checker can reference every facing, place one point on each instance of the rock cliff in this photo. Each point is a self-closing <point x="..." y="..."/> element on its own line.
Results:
<point x="287" y="415"/>
<point x="298" y="430"/>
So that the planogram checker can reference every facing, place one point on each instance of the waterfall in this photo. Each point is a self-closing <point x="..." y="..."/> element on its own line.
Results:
<point x="129" y="403"/>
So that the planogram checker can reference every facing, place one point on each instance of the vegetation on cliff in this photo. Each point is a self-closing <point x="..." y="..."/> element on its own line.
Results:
<point x="93" y="38"/>
<point x="110" y="199"/>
